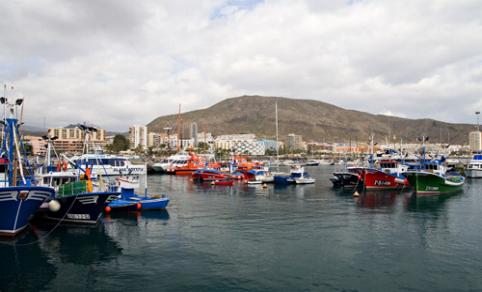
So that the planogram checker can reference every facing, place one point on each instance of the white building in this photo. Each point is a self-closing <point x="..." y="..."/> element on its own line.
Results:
<point x="240" y="143"/>
<point x="138" y="136"/>
<point x="475" y="141"/>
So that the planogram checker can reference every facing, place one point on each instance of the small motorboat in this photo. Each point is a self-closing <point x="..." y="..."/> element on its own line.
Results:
<point x="254" y="182"/>
<point x="305" y="180"/>
<point x="130" y="201"/>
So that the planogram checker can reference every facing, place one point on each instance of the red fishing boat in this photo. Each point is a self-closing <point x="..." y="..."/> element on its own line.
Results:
<point x="387" y="177"/>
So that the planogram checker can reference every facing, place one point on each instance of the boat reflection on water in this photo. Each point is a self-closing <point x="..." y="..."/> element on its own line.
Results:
<point x="427" y="203"/>
<point x="375" y="199"/>
<point x="24" y="266"/>
<point x="81" y="246"/>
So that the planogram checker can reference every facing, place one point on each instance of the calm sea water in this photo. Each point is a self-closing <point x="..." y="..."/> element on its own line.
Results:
<point x="295" y="238"/>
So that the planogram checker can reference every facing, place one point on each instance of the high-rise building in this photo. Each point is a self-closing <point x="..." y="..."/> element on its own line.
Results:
<point x="194" y="133"/>
<point x="294" y="142"/>
<point x="475" y="141"/>
<point x="138" y="136"/>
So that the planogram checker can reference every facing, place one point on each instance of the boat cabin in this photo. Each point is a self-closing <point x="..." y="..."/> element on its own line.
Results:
<point x="3" y="171"/>
<point x="57" y="179"/>
<point x="476" y="162"/>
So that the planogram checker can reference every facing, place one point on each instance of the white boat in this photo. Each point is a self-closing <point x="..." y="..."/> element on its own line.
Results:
<point x="263" y="175"/>
<point x="177" y="160"/>
<point x="254" y="182"/>
<point x="474" y="169"/>
<point x="305" y="180"/>
<point x="109" y="165"/>
<point x="301" y="177"/>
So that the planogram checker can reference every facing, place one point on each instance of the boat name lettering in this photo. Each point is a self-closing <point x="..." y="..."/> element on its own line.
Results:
<point x="79" y="216"/>
<point x="429" y="188"/>
<point x="382" y="183"/>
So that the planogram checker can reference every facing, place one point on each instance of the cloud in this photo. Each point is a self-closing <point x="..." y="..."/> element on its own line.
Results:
<point x="117" y="63"/>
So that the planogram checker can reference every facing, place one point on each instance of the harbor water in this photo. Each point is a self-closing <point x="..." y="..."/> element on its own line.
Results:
<point x="250" y="238"/>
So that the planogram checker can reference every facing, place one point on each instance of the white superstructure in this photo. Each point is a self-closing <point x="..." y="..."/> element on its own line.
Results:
<point x="474" y="169"/>
<point x="109" y="165"/>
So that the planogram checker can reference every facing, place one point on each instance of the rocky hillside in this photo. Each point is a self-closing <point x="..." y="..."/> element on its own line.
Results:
<point x="315" y="120"/>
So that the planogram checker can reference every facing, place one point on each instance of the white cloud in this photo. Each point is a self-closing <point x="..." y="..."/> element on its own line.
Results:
<point x="116" y="63"/>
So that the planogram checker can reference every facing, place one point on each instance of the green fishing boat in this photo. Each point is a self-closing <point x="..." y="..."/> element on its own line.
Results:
<point x="432" y="176"/>
<point x="429" y="183"/>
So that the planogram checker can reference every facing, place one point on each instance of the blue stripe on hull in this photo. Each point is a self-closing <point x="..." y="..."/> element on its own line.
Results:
<point x="17" y="206"/>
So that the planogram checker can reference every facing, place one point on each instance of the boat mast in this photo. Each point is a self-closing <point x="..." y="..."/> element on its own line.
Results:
<point x="277" y="146"/>
<point x="178" y="126"/>
<point x="372" y="137"/>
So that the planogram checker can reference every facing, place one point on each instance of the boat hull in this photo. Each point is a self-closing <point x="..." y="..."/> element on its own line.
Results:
<point x="18" y="205"/>
<point x="430" y="184"/>
<point x="185" y="171"/>
<point x="345" y="180"/>
<point x="378" y="180"/>
<point x="84" y="208"/>
<point x="473" y="173"/>
<point x="283" y="180"/>
<point x="208" y="175"/>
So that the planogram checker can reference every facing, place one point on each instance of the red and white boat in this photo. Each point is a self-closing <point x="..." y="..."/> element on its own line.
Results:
<point x="387" y="177"/>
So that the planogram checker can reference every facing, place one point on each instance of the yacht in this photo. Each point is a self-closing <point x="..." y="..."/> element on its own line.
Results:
<point x="109" y="165"/>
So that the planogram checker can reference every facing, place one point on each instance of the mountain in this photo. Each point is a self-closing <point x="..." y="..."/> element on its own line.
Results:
<point x="314" y="120"/>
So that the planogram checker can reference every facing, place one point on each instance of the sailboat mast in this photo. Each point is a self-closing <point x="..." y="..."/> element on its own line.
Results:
<point x="277" y="146"/>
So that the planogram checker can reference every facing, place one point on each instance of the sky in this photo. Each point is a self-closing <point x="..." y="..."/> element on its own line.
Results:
<point x="115" y="63"/>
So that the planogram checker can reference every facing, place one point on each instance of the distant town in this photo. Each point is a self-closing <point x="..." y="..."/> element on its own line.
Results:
<point x="139" y="140"/>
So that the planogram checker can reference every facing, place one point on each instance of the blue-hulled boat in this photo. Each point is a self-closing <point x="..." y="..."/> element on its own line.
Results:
<point x="297" y="175"/>
<point x="130" y="201"/>
<point x="19" y="199"/>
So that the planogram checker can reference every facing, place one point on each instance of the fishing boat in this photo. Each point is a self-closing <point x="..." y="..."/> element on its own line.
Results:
<point x="19" y="197"/>
<point x="433" y="178"/>
<point x="432" y="182"/>
<point x="130" y="201"/>
<point x="387" y="176"/>
<point x="474" y="168"/>
<point x="80" y="196"/>
<point x="350" y="178"/>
